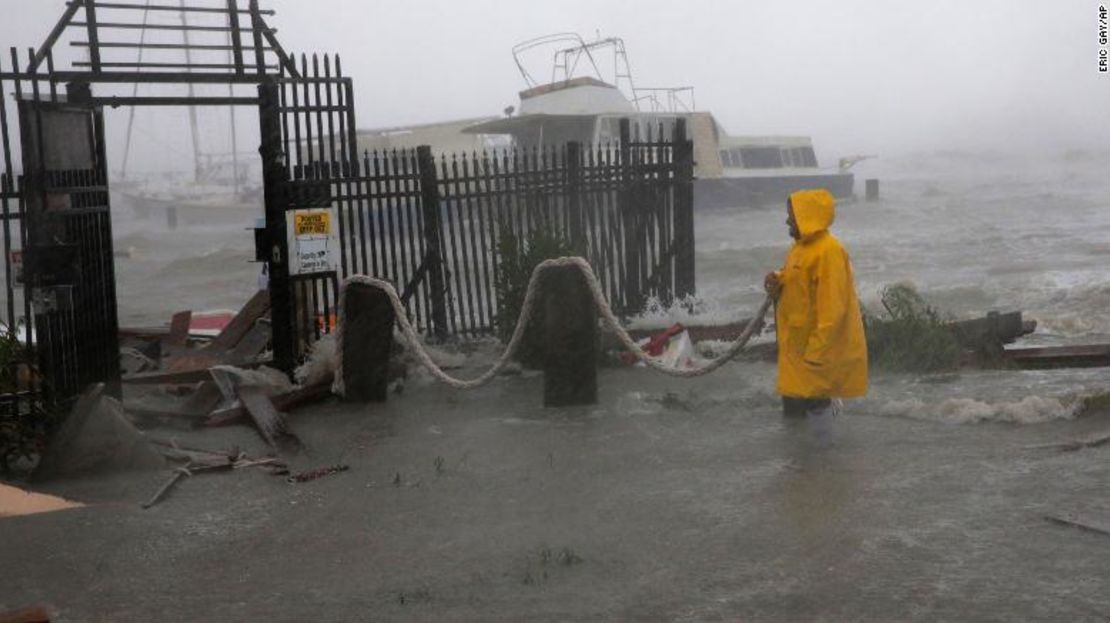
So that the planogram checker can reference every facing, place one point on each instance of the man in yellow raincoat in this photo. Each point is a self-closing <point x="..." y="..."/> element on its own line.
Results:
<point x="822" y="349"/>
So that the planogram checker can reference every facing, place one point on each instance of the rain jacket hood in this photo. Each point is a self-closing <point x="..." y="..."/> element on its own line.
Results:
<point x="814" y="211"/>
<point x="822" y="348"/>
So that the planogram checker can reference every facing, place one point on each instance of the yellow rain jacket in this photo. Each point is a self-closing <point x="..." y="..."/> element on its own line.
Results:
<point x="822" y="349"/>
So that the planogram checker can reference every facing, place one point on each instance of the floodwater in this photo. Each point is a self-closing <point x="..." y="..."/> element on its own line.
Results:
<point x="671" y="499"/>
<point x="973" y="231"/>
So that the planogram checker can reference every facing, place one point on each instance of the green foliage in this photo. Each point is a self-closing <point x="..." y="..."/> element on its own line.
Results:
<point x="516" y="260"/>
<point x="911" y="336"/>
<point x="21" y="434"/>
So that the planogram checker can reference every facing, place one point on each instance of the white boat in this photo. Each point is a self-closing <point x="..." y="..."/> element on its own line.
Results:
<point x="183" y="202"/>
<point x="731" y="171"/>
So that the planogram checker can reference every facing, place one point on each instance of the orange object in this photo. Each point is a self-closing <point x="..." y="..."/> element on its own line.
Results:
<point x="330" y="325"/>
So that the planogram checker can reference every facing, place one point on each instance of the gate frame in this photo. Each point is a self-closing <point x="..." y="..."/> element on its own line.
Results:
<point x="255" y="39"/>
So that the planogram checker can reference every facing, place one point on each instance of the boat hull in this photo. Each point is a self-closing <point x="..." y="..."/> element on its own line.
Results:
<point x="742" y="192"/>
<point x="186" y="213"/>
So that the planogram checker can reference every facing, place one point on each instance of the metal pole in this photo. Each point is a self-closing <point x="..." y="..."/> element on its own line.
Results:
<point x="684" y="210"/>
<point x="276" y="192"/>
<point x="429" y="187"/>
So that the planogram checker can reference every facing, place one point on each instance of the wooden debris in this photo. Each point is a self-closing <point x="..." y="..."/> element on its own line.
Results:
<point x="218" y="462"/>
<point x="173" y="418"/>
<point x="179" y="329"/>
<point x="178" y="474"/>
<point x="992" y="330"/>
<point x="1091" y="441"/>
<point x="143" y="332"/>
<point x="239" y="344"/>
<point x="174" y="451"/>
<point x="25" y="615"/>
<point x="237" y="413"/>
<point x="1084" y="356"/>
<point x="243" y="322"/>
<point x="269" y="421"/>
<point x="314" y="474"/>
<point x="251" y="346"/>
<point x="186" y="376"/>
<point x="1083" y="523"/>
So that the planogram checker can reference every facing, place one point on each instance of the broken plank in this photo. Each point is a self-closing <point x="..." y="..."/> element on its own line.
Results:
<point x="144" y="332"/>
<point x="178" y="474"/>
<point x="185" y="376"/>
<point x="179" y="329"/>
<point x="160" y="414"/>
<point x="1083" y="356"/>
<point x="282" y="402"/>
<point x="252" y="344"/>
<point x="176" y="451"/>
<point x="204" y="399"/>
<point x="269" y="421"/>
<point x="1092" y="441"/>
<point x="242" y="323"/>
<point x="1083" y="523"/>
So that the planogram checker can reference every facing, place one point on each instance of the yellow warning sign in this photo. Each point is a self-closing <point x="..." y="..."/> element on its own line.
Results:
<point x="312" y="223"/>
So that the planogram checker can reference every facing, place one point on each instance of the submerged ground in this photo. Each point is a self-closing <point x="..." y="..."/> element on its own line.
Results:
<point x="670" y="500"/>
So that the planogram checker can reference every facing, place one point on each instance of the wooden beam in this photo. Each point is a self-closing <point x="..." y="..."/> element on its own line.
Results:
<point x="237" y="329"/>
<point x="183" y="377"/>
<point x="269" y="421"/>
<point x="1083" y="356"/>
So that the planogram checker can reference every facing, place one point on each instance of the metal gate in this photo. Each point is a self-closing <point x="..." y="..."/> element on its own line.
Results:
<point x="308" y="150"/>
<point x="60" y="320"/>
<point x="68" y="259"/>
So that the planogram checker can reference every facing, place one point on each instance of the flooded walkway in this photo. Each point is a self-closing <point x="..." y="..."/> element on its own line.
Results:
<point x="670" y="500"/>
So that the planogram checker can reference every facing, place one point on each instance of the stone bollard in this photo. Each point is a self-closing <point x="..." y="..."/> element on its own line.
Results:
<point x="570" y="338"/>
<point x="871" y="190"/>
<point x="367" y="336"/>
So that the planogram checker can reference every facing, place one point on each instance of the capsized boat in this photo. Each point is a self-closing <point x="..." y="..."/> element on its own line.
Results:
<point x="580" y="104"/>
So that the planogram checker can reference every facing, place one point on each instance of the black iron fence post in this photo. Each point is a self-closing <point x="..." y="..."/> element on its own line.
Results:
<point x="275" y="177"/>
<point x="574" y="198"/>
<point x="630" y="222"/>
<point x="429" y="199"/>
<point x="683" y="210"/>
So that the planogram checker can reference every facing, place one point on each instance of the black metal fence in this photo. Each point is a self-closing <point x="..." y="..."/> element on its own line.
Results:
<point x="21" y="386"/>
<point x="432" y="224"/>
<point x="620" y="205"/>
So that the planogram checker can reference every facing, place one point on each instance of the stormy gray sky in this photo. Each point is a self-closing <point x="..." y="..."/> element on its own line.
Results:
<point x="858" y="76"/>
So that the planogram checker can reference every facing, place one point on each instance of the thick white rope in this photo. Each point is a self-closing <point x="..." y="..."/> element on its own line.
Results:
<point x="606" y="312"/>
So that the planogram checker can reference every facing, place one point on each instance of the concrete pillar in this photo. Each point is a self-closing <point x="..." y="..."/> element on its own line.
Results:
<point x="171" y="217"/>
<point x="872" y="190"/>
<point x="367" y="336"/>
<point x="570" y="338"/>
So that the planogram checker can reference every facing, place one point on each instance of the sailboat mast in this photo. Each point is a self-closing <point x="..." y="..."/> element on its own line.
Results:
<point x="134" y="93"/>
<point x="231" y="111"/>
<point x="192" y="110"/>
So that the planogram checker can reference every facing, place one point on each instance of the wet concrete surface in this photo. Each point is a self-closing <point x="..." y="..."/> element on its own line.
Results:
<point x="670" y="500"/>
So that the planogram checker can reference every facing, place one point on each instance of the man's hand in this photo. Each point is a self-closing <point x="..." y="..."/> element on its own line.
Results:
<point x="772" y="285"/>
